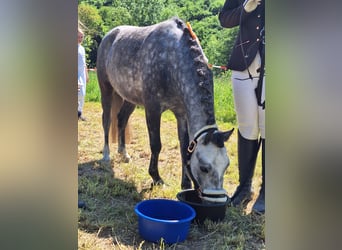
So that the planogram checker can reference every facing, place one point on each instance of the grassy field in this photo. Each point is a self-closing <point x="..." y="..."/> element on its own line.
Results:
<point x="111" y="190"/>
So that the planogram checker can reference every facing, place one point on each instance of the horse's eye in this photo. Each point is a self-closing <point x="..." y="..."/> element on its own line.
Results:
<point x="204" y="169"/>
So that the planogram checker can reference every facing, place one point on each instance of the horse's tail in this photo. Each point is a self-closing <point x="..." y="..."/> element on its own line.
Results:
<point x="116" y="106"/>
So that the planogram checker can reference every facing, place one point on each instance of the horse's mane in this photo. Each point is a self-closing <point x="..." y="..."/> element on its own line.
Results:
<point x="205" y="83"/>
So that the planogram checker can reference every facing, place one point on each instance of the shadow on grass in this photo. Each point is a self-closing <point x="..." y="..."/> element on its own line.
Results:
<point x="110" y="215"/>
<point x="109" y="202"/>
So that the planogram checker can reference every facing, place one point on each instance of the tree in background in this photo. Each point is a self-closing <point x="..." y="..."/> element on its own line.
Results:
<point x="113" y="17"/>
<point x="93" y="22"/>
<point x="146" y="12"/>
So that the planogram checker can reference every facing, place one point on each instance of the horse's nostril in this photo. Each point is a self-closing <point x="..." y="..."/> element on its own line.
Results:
<point x="204" y="169"/>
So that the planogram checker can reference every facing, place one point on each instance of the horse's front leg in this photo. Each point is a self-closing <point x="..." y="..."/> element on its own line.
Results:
<point x="183" y="138"/>
<point x="153" y="125"/>
<point x="123" y="116"/>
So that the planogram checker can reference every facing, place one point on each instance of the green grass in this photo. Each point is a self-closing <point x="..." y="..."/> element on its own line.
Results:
<point x="223" y="96"/>
<point x="93" y="91"/>
<point x="223" y="99"/>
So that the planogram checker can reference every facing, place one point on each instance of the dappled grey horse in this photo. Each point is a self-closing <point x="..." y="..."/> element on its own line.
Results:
<point x="162" y="67"/>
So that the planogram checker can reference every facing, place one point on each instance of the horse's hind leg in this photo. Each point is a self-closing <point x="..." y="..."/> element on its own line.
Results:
<point x="106" y="101"/>
<point x="123" y="116"/>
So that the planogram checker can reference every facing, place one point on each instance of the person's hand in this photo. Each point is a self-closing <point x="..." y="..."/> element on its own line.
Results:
<point x="251" y="5"/>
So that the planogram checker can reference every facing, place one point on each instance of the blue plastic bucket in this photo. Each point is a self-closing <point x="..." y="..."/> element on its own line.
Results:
<point x="164" y="219"/>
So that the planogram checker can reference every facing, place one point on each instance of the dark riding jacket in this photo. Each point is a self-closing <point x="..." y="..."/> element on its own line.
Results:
<point x="251" y="32"/>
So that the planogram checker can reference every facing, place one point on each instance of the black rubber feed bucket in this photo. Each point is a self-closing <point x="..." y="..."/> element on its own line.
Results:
<point x="204" y="210"/>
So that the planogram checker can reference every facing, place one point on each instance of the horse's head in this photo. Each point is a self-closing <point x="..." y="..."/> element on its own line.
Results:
<point x="208" y="163"/>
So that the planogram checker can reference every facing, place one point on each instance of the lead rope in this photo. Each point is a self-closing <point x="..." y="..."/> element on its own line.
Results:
<point x="193" y="35"/>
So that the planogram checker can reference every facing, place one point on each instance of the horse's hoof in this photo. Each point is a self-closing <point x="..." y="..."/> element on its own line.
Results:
<point x="157" y="183"/>
<point x="106" y="158"/>
<point x="126" y="158"/>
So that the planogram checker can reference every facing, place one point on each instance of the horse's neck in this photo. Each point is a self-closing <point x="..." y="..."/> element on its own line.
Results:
<point x="195" y="127"/>
<point x="198" y="119"/>
<point x="199" y="106"/>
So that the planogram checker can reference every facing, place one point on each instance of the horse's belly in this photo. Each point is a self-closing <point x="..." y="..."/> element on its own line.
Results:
<point x="128" y="88"/>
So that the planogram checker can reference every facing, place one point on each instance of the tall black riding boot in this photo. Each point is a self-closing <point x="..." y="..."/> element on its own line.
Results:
<point x="247" y="155"/>
<point x="259" y="205"/>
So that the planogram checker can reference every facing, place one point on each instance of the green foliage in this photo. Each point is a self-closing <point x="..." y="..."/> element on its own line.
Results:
<point x="146" y="12"/>
<point x="172" y="10"/>
<point x="198" y="10"/>
<point x="91" y="19"/>
<point x="96" y="3"/>
<point x="113" y="17"/>
<point x="218" y="45"/>
<point x="89" y="16"/>
<point x="215" y="6"/>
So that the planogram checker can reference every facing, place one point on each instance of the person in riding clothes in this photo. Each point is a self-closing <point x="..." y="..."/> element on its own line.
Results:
<point x="247" y="62"/>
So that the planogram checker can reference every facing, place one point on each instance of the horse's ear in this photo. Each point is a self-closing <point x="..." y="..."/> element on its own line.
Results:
<point x="208" y="137"/>
<point x="227" y="134"/>
<point x="217" y="137"/>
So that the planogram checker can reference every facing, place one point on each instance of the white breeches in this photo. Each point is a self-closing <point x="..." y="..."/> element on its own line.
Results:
<point x="250" y="116"/>
<point x="81" y="96"/>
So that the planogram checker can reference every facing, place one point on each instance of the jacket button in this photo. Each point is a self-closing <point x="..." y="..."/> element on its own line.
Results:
<point x="259" y="16"/>
<point x="257" y="27"/>
<point x="258" y="39"/>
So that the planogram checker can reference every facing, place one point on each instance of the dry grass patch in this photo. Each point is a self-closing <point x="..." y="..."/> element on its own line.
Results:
<point x="111" y="190"/>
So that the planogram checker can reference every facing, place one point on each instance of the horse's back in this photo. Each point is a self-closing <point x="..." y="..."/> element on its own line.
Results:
<point x="128" y="41"/>
<point x="130" y="56"/>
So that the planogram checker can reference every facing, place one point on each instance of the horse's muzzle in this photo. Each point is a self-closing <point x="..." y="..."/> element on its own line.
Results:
<point x="214" y="195"/>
